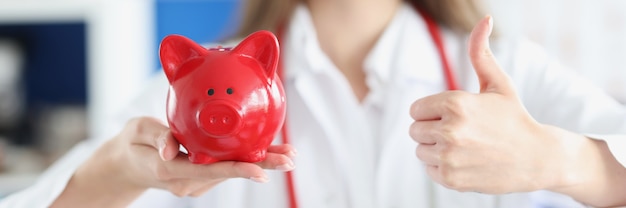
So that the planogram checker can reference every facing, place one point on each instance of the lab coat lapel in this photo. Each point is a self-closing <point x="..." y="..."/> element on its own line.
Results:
<point x="327" y="144"/>
<point x="416" y="73"/>
<point x="315" y="84"/>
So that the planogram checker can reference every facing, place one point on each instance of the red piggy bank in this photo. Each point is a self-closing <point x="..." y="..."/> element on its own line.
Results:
<point x="223" y="103"/>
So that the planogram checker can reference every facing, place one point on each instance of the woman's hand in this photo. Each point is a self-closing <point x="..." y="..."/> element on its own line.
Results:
<point x="488" y="142"/>
<point x="145" y="155"/>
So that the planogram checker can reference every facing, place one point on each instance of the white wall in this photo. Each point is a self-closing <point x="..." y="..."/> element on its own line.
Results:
<point x="588" y="36"/>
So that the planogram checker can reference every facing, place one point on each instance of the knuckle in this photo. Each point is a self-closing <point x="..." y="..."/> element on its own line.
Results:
<point x="451" y="175"/>
<point x="449" y="179"/>
<point x="135" y="126"/>
<point x="446" y="158"/>
<point x="450" y="159"/>
<point x="482" y="54"/>
<point x="139" y="125"/>
<point x="179" y="189"/>
<point x="486" y="53"/>
<point x="449" y="135"/>
<point x="237" y="169"/>
<point x="454" y="103"/>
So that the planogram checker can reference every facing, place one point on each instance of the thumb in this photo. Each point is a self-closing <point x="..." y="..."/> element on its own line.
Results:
<point x="167" y="146"/>
<point x="490" y="76"/>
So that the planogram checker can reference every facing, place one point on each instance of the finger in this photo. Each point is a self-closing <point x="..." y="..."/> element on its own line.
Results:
<point x="433" y="172"/>
<point x="437" y="106"/>
<point x="180" y="167"/>
<point x="428" y="154"/>
<point x="285" y="149"/>
<point x="145" y="131"/>
<point x="152" y="132"/>
<point x="425" y="109"/>
<point x="424" y="132"/>
<point x="277" y="161"/>
<point x="490" y="76"/>
<point x="167" y="145"/>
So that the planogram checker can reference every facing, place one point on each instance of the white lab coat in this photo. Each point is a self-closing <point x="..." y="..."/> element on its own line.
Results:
<point x="360" y="155"/>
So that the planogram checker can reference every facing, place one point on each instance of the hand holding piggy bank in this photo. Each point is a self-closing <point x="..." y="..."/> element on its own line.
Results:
<point x="224" y="104"/>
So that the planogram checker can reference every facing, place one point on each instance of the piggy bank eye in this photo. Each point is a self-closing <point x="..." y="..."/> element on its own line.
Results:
<point x="211" y="92"/>
<point x="229" y="91"/>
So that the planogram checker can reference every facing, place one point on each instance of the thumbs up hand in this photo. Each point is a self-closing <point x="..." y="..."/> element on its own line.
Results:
<point x="486" y="142"/>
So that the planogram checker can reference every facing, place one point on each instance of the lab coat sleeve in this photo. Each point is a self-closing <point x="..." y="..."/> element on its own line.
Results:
<point x="151" y="102"/>
<point x="51" y="183"/>
<point x="558" y="96"/>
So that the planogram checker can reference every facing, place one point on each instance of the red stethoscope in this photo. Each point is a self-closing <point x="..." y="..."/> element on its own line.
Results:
<point x="435" y="34"/>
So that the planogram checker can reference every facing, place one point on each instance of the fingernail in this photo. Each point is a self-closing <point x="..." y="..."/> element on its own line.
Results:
<point x="260" y="179"/>
<point x="490" y="23"/>
<point x="292" y="154"/>
<point x="161" y="146"/>
<point x="286" y="167"/>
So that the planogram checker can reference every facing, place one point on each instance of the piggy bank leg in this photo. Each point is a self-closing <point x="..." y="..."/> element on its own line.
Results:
<point x="254" y="156"/>
<point x="199" y="158"/>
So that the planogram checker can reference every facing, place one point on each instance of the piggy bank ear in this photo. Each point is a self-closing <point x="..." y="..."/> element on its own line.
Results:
<point x="262" y="46"/>
<point x="175" y="50"/>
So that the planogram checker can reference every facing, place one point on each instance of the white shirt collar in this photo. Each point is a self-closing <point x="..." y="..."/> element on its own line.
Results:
<point x="405" y="45"/>
<point x="380" y="58"/>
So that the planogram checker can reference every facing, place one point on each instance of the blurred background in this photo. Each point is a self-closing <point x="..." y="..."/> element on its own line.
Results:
<point x="67" y="64"/>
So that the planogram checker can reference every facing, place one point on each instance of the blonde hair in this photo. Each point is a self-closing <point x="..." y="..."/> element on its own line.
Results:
<point x="458" y="15"/>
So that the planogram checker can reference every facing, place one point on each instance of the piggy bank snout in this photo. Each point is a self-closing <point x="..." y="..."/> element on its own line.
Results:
<point x="220" y="119"/>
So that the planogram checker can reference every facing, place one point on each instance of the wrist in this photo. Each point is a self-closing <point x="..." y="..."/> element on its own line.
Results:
<point x="99" y="183"/>
<point x="588" y="172"/>
<point x="111" y="171"/>
<point x="569" y="158"/>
